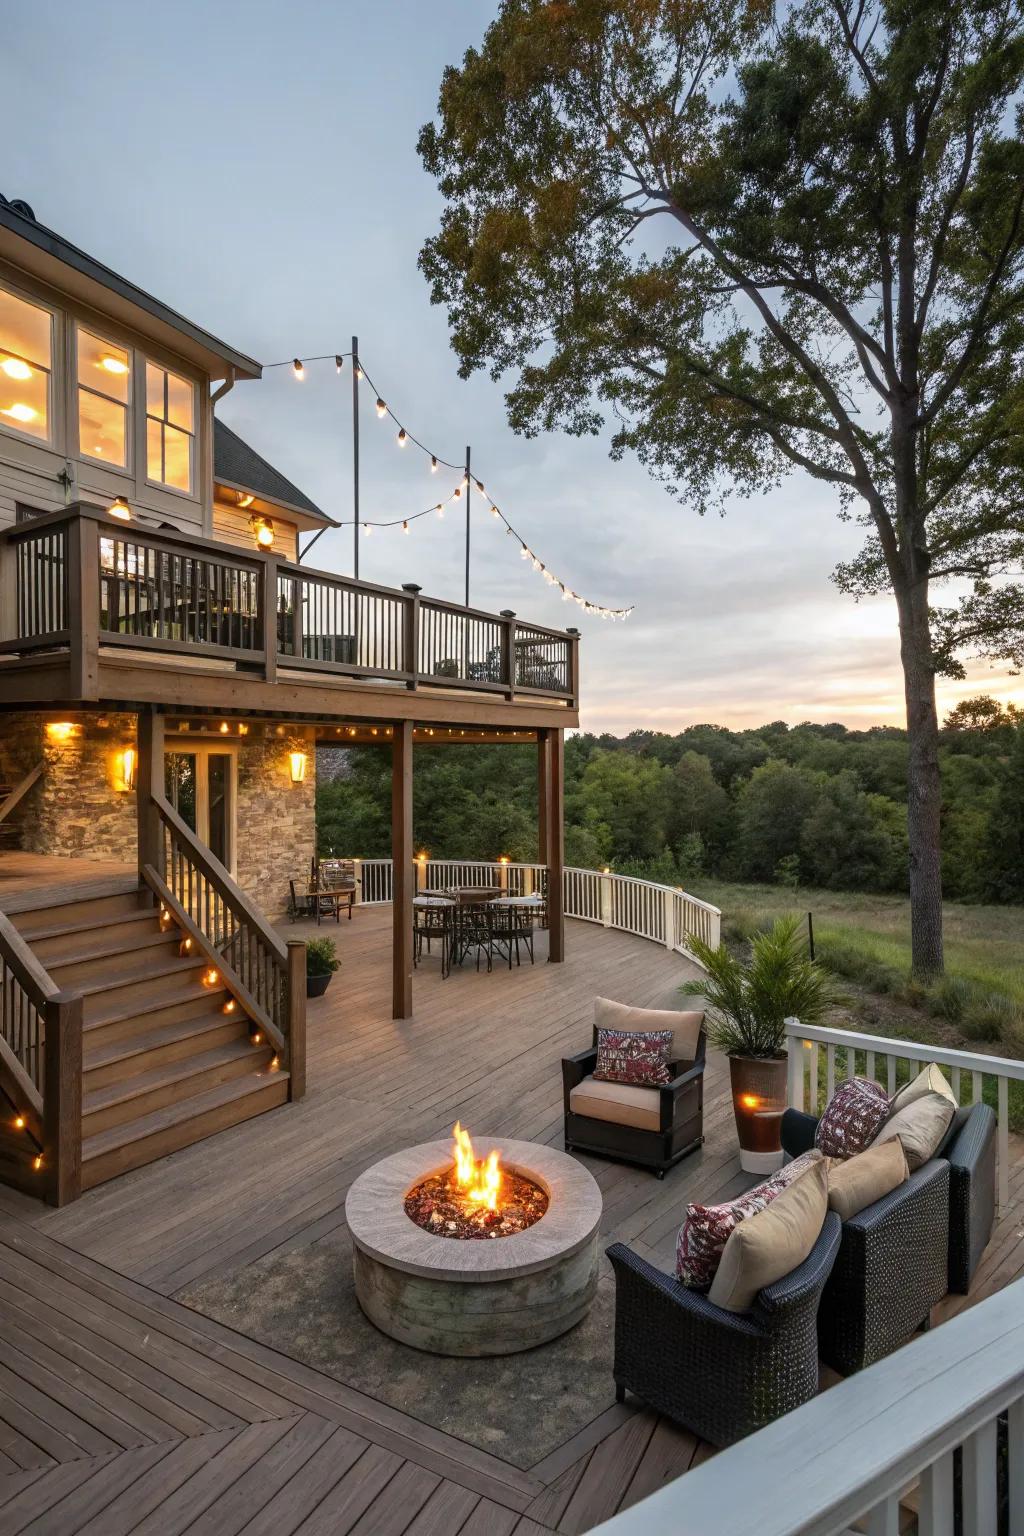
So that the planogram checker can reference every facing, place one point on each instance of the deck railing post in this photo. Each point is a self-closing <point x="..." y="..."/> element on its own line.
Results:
<point x="508" y="652"/>
<point x="62" y="1098"/>
<point x="411" y="658"/>
<point x="606" y="898"/>
<point x="268" y="613"/>
<point x="573" y="678"/>
<point x="9" y="616"/>
<point x="83" y="579"/>
<point x="669" y="918"/>
<point x="296" y="1062"/>
<point x="149" y="781"/>
<point x="357" y="876"/>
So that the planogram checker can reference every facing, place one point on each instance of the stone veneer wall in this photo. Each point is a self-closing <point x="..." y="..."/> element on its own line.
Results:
<point x="276" y="818"/>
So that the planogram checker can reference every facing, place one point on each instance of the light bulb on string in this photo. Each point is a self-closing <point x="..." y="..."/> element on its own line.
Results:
<point x="457" y="492"/>
<point x="297" y="368"/>
<point x="367" y="529"/>
<point x="359" y="372"/>
<point x="382" y="409"/>
<point x="433" y="463"/>
<point x="480" y="488"/>
<point x="524" y="553"/>
<point x="339" y="362"/>
<point x="405" y="526"/>
<point x="495" y="513"/>
<point x="402" y="437"/>
<point x="440" y="509"/>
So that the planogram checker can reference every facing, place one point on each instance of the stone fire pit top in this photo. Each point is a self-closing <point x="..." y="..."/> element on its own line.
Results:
<point x="375" y="1211"/>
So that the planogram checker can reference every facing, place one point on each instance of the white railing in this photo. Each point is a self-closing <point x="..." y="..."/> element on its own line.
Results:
<point x="662" y="913"/>
<point x="872" y="1440"/>
<point x="847" y="1054"/>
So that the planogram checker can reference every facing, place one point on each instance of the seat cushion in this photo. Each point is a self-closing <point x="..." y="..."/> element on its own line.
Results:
<point x="852" y="1119"/>
<point x="859" y="1181"/>
<point x="773" y="1242"/>
<point x="636" y="1056"/>
<point x="930" y="1080"/>
<point x="685" y="1027"/>
<point x="920" y="1126"/>
<point x="621" y="1103"/>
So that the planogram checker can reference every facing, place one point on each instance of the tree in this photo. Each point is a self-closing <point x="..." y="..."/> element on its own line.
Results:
<point x="623" y="800"/>
<point x="981" y="713"/>
<point x="845" y="843"/>
<point x="766" y="244"/>
<point x="771" y="809"/>
<point x="1004" y="869"/>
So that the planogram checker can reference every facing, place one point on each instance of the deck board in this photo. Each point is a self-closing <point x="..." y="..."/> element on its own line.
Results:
<point x="123" y="1413"/>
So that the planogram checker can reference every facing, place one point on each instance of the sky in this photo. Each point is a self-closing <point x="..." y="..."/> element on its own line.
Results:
<point x="254" y="165"/>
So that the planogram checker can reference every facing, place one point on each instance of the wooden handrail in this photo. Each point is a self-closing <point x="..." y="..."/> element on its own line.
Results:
<point x="37" y="983"/>
<point x="20" y="790"/>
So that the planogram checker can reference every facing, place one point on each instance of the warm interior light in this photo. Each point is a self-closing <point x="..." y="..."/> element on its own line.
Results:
<point x="62" y="730"/>
<point x="128" y="764"/>
<point x="15" y="368"/>
<point x="297" y="761"/>
<point x="263" y="531"/>
<point x="245" y="501"/>
<point x="119" y="508"/>
<point x="20" y="412"/>
<point x="749" y="1100"/>
<point x="224" y="728"/>
<point x="114" y="364"/>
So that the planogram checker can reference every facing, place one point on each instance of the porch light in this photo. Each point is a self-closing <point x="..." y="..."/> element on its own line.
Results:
<point x="297" y="761"/>
<point x="63" y="730"/>
<point x="262" y="531"/>
<point x="245" y="501"/>
<point x="127" y="763"/>
<point x="119" y="508"/>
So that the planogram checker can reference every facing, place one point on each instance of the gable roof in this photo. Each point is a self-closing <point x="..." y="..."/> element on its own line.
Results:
<point x="237" y="465"/>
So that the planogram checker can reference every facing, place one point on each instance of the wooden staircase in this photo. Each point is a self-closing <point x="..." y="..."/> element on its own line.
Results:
<point x="169" y="1055"/>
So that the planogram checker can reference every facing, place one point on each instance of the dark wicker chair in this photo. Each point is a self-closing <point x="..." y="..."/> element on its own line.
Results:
<point x="680" y="1126"/>
<point x="720" y="1374"/>
<point x="969" y="1147"/>
<point x="892" y="1266"/>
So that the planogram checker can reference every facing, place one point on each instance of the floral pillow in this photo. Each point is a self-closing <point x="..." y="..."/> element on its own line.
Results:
<point x="853" y="1117"/>
<point x="707" y="1228"/>
<point x="636" y="1056"/>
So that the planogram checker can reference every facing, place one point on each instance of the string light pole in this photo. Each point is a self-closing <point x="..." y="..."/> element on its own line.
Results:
<point x="356" y="376"/>
<point x="469" y="508"/>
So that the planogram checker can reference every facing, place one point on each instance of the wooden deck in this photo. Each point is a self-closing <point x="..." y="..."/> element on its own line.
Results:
<point x="122" y="1411"/>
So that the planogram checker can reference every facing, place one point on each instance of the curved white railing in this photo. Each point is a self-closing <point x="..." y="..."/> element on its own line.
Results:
<point x="662" y="913"/>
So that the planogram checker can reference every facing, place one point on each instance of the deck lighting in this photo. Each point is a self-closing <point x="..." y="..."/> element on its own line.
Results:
<point x="433" y="463"/>
<point x="37" y="1162"/>
<point x="63" y="730"/>
<point x="403" y="437"/>
<point x="127" y="763"/>
<point x="440" y="509"/>
<point x="297" y="368"/>
<point x="382" y="409"/>
<point x="339" y="362"/>
<point x="210" y="978"/>
<point x="297" y="762"/>
<point x="246" y="501"/>
<point x="19" y="1122"/>
<point x="262" y="531"/>
<point x="405" y="526"/>
<point x="119" y="508"/>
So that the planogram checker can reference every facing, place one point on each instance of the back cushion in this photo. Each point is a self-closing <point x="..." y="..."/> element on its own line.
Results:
<point x="707" y="1228"/>
<point x="685" y="1027"/>
<point x="920" y="1126"/>
<point x="773" y="1242"/>
<point x="853" y="1117"/>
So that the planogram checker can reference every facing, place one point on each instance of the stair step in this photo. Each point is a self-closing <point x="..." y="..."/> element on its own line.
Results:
<point x="115" y="960"/>
<point x="122" y="1147"/>
<point x="170" y="1083"/>
<point x="121" y="1019"/>
<point x="40" y="911"/>
<point x="112" y="1060"/>
<point x="144" y="987"/>
<point x="44" y="939"/>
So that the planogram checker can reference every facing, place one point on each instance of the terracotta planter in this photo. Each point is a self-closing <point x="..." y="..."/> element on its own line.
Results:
<point x="316" y="986"/>
<point x="758" y="1102"/>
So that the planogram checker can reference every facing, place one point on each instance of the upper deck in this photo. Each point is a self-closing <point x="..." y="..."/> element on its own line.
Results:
<point x="95" y="609"/>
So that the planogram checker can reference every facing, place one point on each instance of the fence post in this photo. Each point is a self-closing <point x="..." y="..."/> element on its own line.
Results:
<point x="268" y="610"/>
<point x="508" y="652"/>
<point x="605" y="889"/>
<point x="410" y="660"/>
<point x="357" y="875"/>
<point x="421" y="863"/>
<point x="795" y="1050"/>
<point x="574" y="667"/>
<point x="296" y="1062"/>
<point x="669" y="918"/>
<point x="83" y="577"/>
<point x="714" y="930"/>
<point x="62" y="1098"/>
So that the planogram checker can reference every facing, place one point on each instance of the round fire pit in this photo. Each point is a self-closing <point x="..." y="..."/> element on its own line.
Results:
<point x="492" y="1296"/>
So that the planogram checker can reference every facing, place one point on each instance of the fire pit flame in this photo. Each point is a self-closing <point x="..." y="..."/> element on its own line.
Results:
<point x="479" y="1181"/>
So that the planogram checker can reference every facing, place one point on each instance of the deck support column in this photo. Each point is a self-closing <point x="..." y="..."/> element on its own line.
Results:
<point x="149" y="781"/>
<point x="552" y="748"/>
<point x="402" y="868"/>
<point x="543" y="795"/>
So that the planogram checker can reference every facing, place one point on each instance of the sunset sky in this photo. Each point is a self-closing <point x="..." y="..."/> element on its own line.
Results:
<point x="253" y="164"/>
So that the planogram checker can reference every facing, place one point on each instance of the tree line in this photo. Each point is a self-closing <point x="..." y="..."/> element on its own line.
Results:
<point x="816" y="805"/>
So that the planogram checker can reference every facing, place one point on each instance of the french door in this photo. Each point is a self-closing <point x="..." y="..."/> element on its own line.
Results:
<point x="200" y="781"/>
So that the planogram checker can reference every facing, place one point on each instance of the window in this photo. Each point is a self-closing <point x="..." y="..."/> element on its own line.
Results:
<point x="170" y="428"/>
<point x="26" y="358"/>
<point x="104" y="379"/>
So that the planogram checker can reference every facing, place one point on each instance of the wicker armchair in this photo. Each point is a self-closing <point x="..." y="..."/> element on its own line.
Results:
<point x="891" y="1268"/>
<point x="969" y="1147"/>
<point x="676" y="1117"/>
<point x="720" y="1374"/>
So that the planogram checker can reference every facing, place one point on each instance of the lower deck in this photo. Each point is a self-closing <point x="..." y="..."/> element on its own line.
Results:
<point x="125" y="1410"/>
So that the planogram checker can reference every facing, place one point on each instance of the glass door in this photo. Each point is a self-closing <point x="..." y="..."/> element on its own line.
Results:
<point x="199" y="782"/>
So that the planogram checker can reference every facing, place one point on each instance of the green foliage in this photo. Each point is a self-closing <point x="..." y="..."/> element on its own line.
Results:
<point x="991" y="1016"/>
<point x="787" y="871"/>
<point x="1003" y="844"/>
<point x="321" y="957"/>
<point x="750" y="1001"/>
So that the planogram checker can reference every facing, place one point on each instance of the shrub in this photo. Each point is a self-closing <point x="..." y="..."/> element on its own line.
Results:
<point x="321" y="957"/>
<point x="951" y="997"/>
<point x="846" y="957"/>
<point x="991" y="1016"/>
<point x="741" y="924"/>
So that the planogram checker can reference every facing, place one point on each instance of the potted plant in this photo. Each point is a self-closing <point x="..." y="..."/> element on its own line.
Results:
<point x="748" y="1003"/>
<point x="321" y="963"/>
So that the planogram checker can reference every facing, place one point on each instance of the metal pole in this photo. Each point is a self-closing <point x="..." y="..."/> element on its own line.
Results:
<point x="810" y="934"/>
<point x="469" y="504"/>
<point x="355" y="456"/>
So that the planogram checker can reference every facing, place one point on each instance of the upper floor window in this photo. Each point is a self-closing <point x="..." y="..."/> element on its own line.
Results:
<point x="26" y="359"/>
<point x="104" y="384"/>
<point x="170" y="428"/>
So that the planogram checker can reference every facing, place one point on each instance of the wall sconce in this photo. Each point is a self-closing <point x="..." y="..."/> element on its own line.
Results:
<point x="503" y="859"/>
<point x="119" y="508"/>
<point x="127" y="763"/>
<point x="63" y="730"/>
<point x="245" y="501"/>
<point x="297" y="760"/>
<point x="262" y="531"/>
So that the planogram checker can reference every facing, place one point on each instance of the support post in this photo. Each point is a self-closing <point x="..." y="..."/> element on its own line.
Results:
<point x="508" y="652"/>
<point x="411" y="655"/>
<point x="296" y="1061"/>
<point x="149" y="780"/>
<point x="269" y="580"/>
<point x="355" y="458"/>
<point x="83" y="576"/>
<point x="543" y="794"/>
<point x="62" y="1099"/>
<point x="556" y="847"/>
<point x="402" y="868"/>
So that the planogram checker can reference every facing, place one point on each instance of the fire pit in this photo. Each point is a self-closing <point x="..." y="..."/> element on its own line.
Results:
<point x="485" y="1252"/>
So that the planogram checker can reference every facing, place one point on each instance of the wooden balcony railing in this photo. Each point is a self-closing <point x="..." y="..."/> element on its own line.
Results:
<point x="82" y="579"/>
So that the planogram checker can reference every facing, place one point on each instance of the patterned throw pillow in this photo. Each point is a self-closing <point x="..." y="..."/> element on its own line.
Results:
<point x="707" y="1228"/>
<point x="635" y="1056"/>
<point x="853" y="1117"/>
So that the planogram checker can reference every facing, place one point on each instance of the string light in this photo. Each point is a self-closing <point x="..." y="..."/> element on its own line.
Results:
<point x="402" y="436"/>
<point x="405" y="526"/>
<point x="382" y="409"/>
<point x="299" y="371"/>
<point x="339" y="362"/>
<point x="433" y="463"/>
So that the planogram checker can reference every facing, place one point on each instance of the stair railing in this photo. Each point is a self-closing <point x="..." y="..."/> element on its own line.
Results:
<point x="265" y="975"/>
<point x="40" y="1074"/>
<point x="20" y="790"/>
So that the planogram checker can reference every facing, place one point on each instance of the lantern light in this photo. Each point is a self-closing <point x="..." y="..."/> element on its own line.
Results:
<point x="119" y="508"/>
<point x="297" y="763"/>
<point x="129" y="761"/>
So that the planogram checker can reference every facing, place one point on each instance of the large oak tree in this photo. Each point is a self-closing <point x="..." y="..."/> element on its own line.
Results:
<point x="766" y="241"/>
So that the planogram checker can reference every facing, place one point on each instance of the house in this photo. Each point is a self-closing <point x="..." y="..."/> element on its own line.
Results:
<point x="167" y="669"/>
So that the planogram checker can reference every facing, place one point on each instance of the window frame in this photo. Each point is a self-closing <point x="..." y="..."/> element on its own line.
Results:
<point x="78" y="388"/>
<point x="164" y="421"/>
<point x="11" y="429"/>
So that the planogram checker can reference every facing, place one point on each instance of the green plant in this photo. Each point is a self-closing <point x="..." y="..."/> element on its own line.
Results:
<point x="951" y="997"/>
<point x="750" y="1001"/>
<point x="990" y="1016"/>
<point x="787" y="871"/>
<point x="321" y="957"/>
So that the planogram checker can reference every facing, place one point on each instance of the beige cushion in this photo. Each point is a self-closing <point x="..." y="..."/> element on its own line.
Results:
<point x="765" y="1247"/>
<point x="920" y="1126"/>
<point x="619" y="1102"/>
<point x="930" y="1080"/>
<point x="857" y="1182"/>
<point x="685" y="1027"/>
